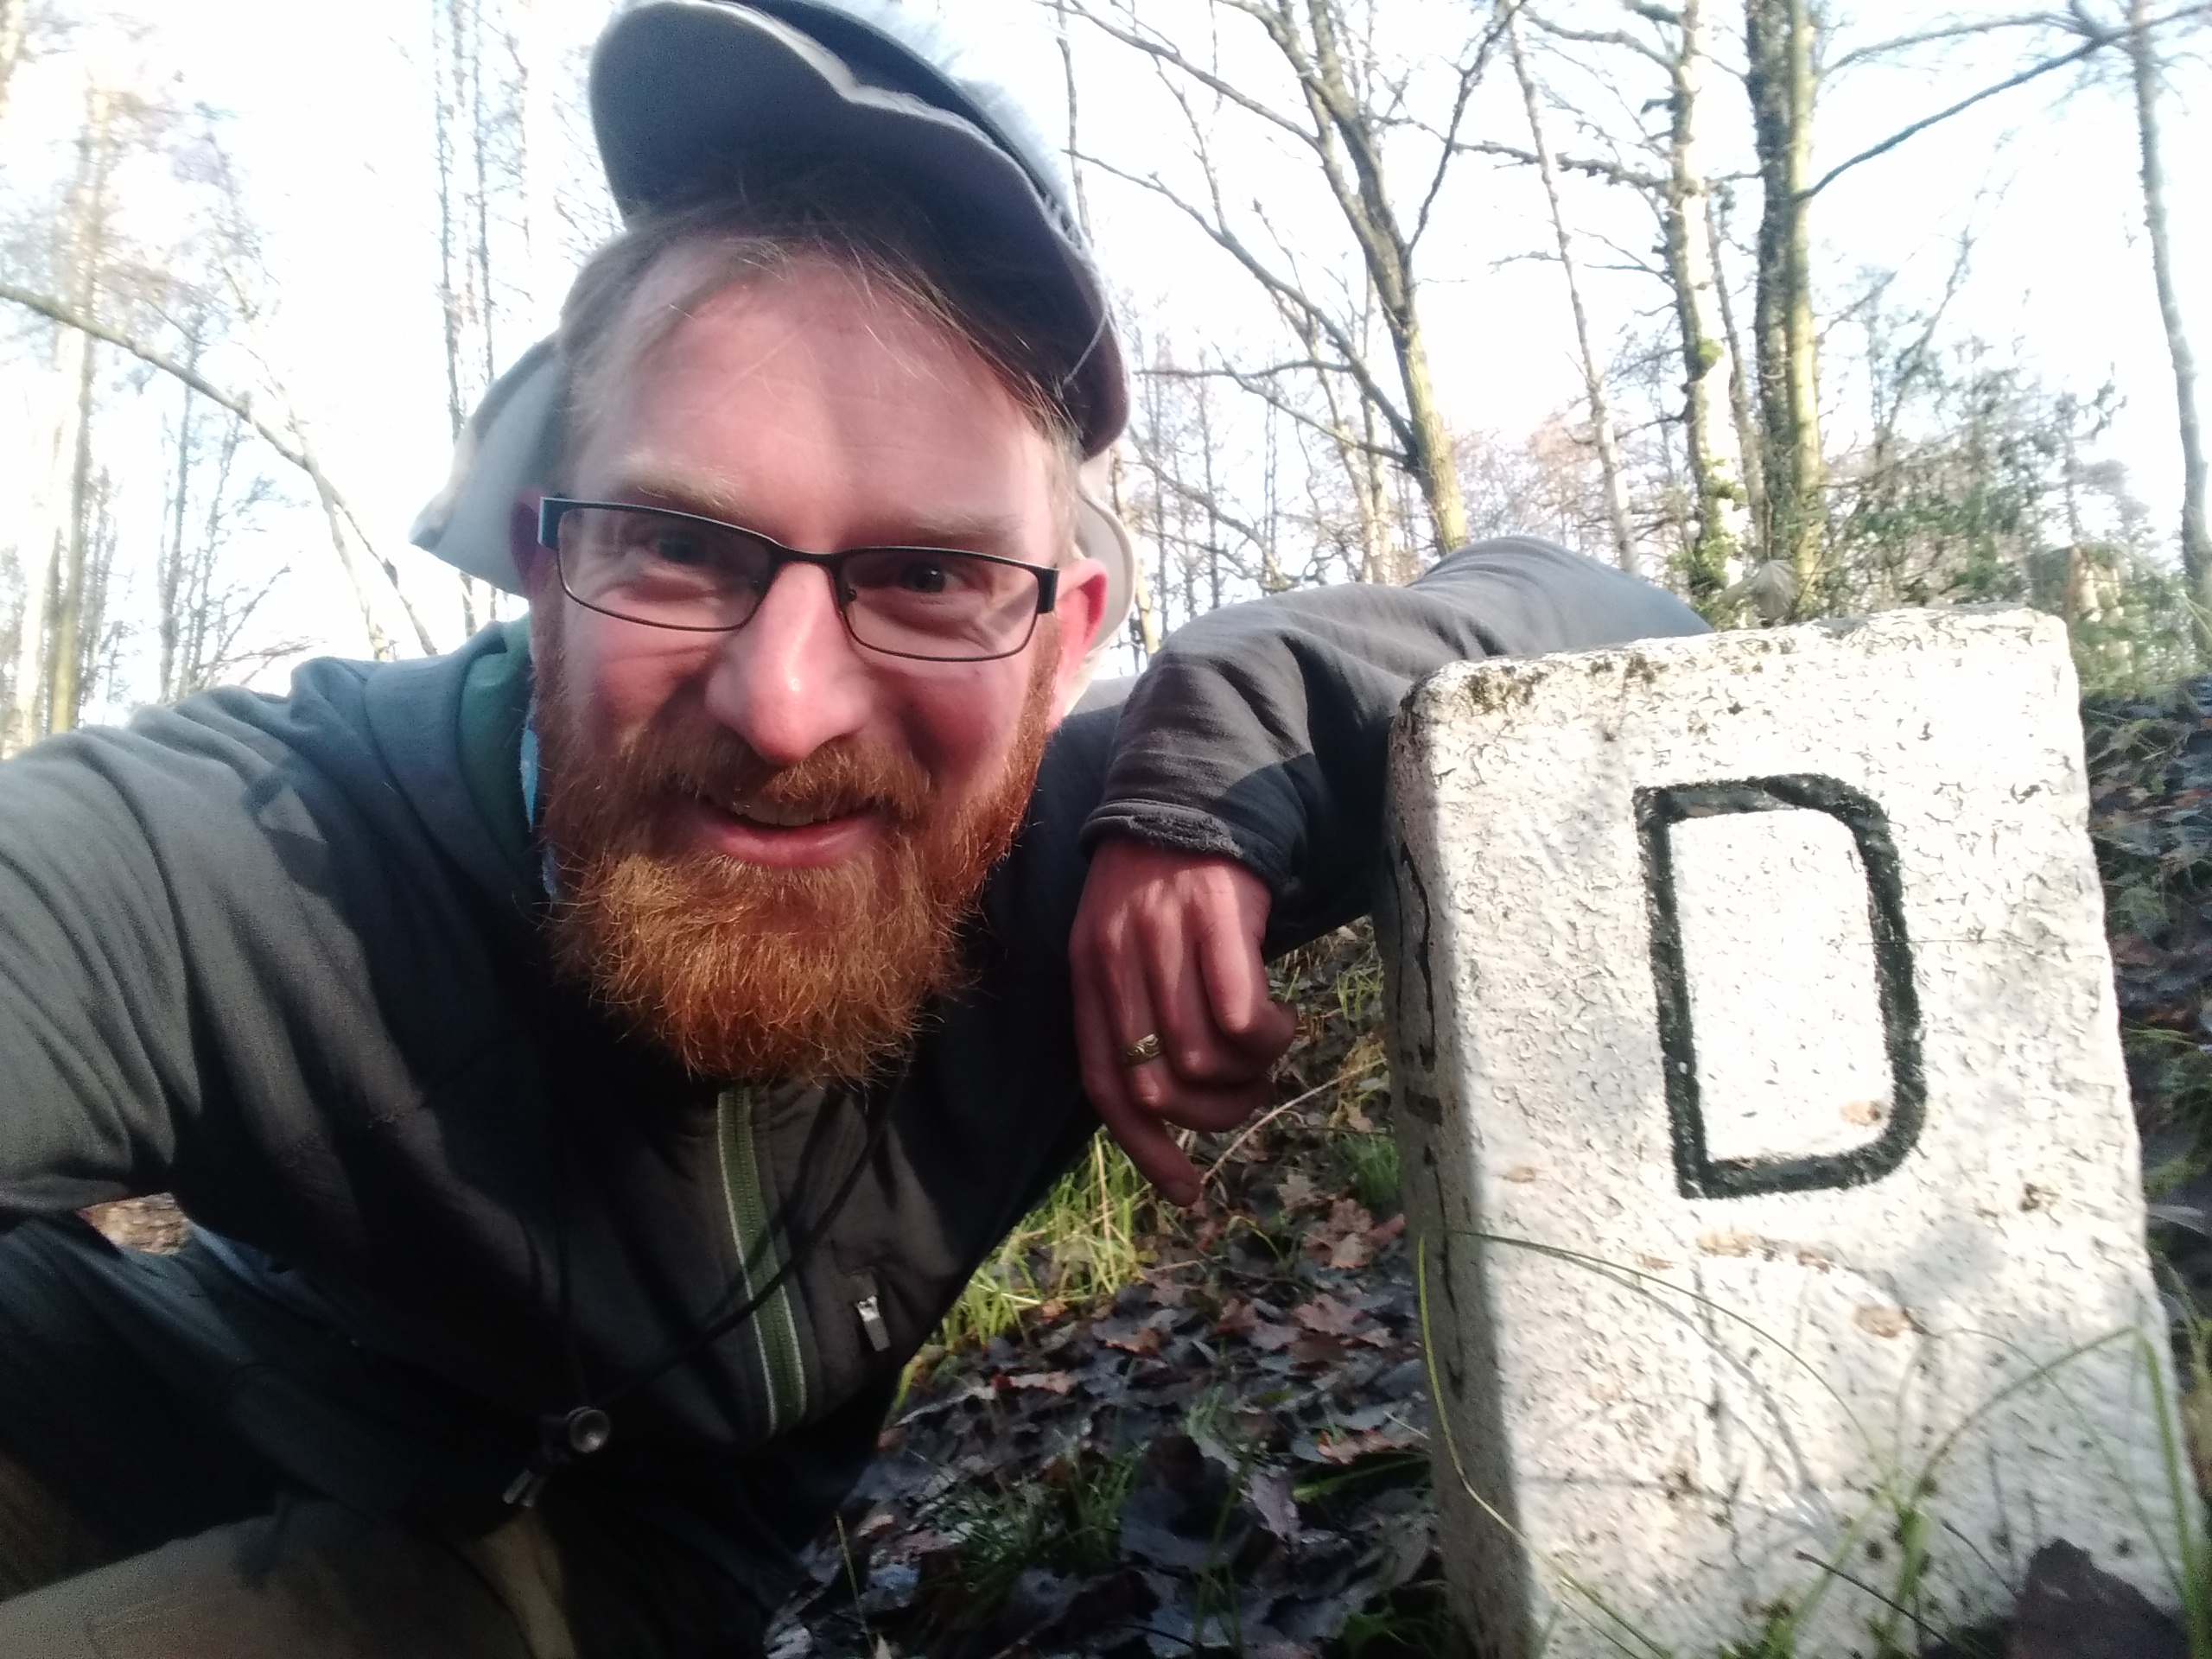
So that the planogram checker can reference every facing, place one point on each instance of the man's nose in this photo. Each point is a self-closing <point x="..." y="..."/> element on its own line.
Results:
<point x="790" y="679"/>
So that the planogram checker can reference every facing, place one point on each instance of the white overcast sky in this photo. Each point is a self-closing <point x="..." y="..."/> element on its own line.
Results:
<point x="331" y="125"/>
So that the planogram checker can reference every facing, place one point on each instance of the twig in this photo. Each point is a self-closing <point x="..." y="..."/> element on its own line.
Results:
<point x="1254" y="1128"/>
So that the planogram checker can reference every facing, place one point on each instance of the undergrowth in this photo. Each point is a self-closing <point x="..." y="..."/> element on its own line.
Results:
<point x="1094" y="1232"/>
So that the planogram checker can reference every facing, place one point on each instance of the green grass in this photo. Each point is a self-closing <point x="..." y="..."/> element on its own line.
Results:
<point x="1068" y="1518"/>
<point x="1371" y="1161"/>
<point x="1088" y="1236"/>
<point x="1083" y="1244"/>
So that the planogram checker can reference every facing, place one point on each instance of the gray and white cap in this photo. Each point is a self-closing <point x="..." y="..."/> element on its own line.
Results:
<point x="692" y="98"/>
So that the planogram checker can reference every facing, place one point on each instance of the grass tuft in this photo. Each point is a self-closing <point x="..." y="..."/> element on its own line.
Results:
<point x="1078" y="1247"/>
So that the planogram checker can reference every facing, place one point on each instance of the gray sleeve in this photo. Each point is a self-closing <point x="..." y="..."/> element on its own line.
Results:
<point x="94" y="1034"/>
<point x="1260" y="732"/>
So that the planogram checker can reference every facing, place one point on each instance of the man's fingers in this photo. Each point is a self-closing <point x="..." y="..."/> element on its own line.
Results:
<point x="1166" y="945"/>
<point x="1152" y="1148"/>
<point x="1244" y="1011"/>
<point x="1099" y="1020"/>
<point x="1188" y="1035"/>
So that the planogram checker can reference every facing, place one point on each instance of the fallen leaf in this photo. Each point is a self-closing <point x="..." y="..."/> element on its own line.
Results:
<point x="1325" y="1313"/>
<point x="1128" y="1335"/>
<point x="1236" y="1319"/>
<point x="1273" y="1502"/>
<point x="1050" y="1382"/>
<point x="1270" y="1336"/>
<point x="1351" y="1251"/>
<point x="1318" y="1348"/>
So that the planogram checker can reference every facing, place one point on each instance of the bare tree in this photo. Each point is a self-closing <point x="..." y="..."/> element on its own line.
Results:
<point x="1348" y="111"/>
<point x="2195" y="535"/>
<point x="1593" y="379"/>
<point x="202" y="613"/>
<point x="1779" y="41"/>
<point x="46" y="682"/>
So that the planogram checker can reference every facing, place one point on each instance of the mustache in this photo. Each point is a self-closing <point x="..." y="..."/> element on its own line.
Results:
<point x="714" y="765"/>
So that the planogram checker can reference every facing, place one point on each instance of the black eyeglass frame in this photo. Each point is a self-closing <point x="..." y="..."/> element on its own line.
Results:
<point x="552" y="509"/>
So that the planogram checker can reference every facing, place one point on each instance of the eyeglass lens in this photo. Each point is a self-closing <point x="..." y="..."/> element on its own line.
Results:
<point x="679" y="572"/>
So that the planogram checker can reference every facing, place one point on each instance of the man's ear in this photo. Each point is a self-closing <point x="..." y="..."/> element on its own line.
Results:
<point x="1081" y="606"/>
<point x="533" y="562"/>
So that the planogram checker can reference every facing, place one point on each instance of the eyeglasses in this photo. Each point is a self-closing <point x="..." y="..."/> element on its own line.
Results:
<point x="678" y="570"/>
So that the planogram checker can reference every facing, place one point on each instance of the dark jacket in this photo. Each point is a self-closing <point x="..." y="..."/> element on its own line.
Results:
<point x="282" y="956"/>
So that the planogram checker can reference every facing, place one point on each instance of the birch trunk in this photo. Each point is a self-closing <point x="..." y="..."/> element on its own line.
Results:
<point x="47" y="651"/>
<point x="48" y="517"/>
<point x="2196" y="535"/>
<point x="1708" y="369"/>
<point x="65" y="689"/>
<point x="1353" y="135"/>
<point x="1778" y="37"/>
<point x="1740" y="400"/>
<point x="1593" y="379"/>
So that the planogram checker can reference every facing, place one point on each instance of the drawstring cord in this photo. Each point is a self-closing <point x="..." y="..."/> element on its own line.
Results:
<point x="584" y="1429"/>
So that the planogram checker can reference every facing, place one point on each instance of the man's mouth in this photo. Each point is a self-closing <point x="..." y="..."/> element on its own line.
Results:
<point x="775" y="815"/>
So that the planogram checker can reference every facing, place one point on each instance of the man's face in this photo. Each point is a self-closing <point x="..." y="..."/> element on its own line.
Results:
<point x="766" y="837"/>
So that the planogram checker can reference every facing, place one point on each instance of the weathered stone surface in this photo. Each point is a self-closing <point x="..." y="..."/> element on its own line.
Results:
<point x="1866" y="1278"/>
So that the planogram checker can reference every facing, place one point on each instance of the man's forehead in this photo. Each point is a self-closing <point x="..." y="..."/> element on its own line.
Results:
<point x="706" y="276"/>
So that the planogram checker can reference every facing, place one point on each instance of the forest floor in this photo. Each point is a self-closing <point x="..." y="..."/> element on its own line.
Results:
<point x="1148" y="1434"/>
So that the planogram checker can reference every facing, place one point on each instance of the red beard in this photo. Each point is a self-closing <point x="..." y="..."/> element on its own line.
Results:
<point x="753" y="971"/>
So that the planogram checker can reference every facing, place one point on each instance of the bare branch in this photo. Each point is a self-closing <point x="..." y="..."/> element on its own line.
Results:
<point x="1599" y="37"/>
<point x="69" y="317"/>
<point x="1953" y="31"/>
<point x="2099" y="39"/>
<point x="1163" y="53"/>
<point x="1218" y="232"/>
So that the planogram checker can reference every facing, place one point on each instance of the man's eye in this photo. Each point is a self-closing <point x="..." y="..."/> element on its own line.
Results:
<point x="677" y="547"/>
<point x="924" y="577"/>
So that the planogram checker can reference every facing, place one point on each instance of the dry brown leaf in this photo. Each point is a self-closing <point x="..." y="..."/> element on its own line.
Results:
<point x="1325" y="1313"/>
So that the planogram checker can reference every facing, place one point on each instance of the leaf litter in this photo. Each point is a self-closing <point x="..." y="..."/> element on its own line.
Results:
<point x="1227" y="1456"/>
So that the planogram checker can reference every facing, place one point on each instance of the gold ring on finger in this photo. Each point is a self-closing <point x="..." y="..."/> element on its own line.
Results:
<point x="1145" y="1049"/>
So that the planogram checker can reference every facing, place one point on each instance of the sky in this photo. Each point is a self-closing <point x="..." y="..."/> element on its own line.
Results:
<point x="329" y="115"/>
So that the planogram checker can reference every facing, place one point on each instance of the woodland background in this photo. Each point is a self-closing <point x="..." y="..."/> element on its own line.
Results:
<point x="1393" y="273"/>
<point x="1796" y="309"/>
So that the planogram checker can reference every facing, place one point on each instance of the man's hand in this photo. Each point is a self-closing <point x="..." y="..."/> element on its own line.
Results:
<point x="1167" y="944"/>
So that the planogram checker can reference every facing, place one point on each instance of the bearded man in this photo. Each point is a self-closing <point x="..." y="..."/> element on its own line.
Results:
<point x="595" y="1061"/>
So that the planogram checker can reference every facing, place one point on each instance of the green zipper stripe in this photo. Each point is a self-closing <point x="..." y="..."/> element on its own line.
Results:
<point x="775" y="1332"/>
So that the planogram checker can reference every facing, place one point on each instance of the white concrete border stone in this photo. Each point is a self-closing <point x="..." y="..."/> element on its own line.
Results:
<point x="1838" y="878"/>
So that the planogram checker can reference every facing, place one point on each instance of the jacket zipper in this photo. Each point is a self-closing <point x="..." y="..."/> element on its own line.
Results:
<point x="775" y="1332"/>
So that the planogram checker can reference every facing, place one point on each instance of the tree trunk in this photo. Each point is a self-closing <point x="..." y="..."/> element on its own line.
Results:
<point x="64" y="685"/>
<point x="2196" y="537"/>
<point x="170" y="591"/>
<point x="1739" y="399"/>
<point x="1593" y="379"/>
<point x="1778" y="40"/>
<point x="1365" y="202"/>
<point x="1708" y="364"/>
<point x="47" y="640"/>
<point x="49" y="521"/>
